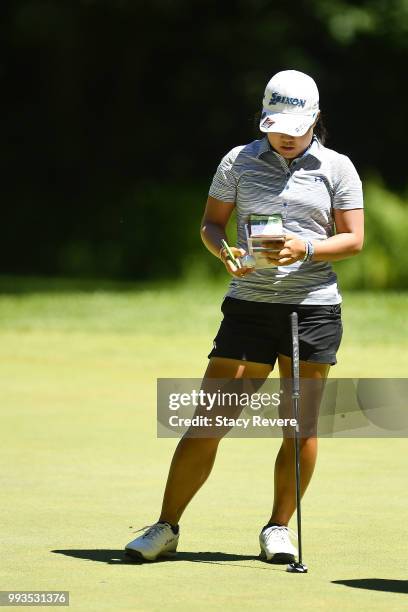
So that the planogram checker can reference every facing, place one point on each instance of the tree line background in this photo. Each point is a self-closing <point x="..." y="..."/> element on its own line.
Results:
<point x="115" y="114"/>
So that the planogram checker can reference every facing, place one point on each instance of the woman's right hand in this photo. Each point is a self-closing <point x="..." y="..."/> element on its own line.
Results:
<point x="231" y="268"/>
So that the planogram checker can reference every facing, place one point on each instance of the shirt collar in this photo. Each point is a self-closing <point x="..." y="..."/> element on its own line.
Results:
<point x="313" y="149"/>
<point x="264" y="146"/>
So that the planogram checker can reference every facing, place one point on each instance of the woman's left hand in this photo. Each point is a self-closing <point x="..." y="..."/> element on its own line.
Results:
<point x="293" y="250"/>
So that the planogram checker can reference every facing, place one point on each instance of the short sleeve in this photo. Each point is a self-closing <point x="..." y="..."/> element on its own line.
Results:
<point x="347" y="186"/>
<point x="224" y="183"/>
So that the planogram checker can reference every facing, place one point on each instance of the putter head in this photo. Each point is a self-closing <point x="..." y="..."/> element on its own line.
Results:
<point x="296" y="568"/>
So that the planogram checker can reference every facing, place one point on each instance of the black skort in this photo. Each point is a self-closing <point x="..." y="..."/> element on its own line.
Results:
<point x="259" y="331"/>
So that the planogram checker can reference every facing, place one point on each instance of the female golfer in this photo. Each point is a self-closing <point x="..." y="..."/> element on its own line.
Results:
<point x="318" y="194"/>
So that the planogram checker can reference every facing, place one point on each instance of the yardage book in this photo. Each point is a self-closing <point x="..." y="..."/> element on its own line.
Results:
<point x="261" y="230"/>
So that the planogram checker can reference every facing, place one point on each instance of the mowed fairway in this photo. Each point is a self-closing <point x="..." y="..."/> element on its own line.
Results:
<point x="82" y="468"/>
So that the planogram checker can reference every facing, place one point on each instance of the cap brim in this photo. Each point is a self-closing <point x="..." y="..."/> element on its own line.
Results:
<point x="286" y="123"/>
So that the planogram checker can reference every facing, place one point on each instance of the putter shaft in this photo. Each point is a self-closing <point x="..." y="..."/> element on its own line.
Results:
<point x="296" y="567"/>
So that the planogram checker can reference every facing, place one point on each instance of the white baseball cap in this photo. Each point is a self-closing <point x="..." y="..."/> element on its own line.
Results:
<point x="290" y="103"/>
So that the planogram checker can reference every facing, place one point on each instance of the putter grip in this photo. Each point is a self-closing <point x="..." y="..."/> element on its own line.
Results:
<point x="295" y="351"/>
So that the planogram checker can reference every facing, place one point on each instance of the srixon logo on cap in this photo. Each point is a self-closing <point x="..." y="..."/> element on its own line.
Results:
<point x="276" y="98"/>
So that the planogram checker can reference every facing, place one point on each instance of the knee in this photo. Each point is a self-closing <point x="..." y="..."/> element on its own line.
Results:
<point x="200" y="445"/>
<point x="308" y="442"/>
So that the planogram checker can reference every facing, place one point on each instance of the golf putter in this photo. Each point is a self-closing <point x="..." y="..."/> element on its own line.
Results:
<point x="296" y="567"/>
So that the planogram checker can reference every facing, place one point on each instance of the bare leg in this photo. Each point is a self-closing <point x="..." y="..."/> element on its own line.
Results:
<point x="285" y="481"/>
<point x="194" y="457"/>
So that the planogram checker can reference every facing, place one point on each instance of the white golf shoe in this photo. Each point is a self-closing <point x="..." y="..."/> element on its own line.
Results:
<point x="276" y="545"/>
<point x="158" y="540"/>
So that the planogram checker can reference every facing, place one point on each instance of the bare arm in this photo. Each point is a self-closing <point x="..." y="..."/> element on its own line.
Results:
<point x="348" y="241"/>
<point x="215" y="219"/>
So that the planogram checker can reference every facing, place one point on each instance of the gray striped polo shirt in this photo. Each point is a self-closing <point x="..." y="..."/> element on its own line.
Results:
<point x="258" y="180"/>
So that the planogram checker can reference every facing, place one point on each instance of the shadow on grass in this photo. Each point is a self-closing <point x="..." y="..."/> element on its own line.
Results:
<point x="118" y="557"/>
<point x="376" y="584"/>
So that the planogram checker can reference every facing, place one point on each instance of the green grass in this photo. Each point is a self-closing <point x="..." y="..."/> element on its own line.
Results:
<point x="179" y="320"/>
<point x="81" y="462"/>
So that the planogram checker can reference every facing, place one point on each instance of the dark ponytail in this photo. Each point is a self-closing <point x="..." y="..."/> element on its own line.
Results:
<point x="320" y="130"/>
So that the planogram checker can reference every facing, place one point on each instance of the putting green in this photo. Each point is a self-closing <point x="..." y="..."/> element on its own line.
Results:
<point x="82" y="468"/>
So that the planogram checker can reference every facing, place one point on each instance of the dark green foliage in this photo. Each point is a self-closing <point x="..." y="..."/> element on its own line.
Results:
<point x="113" y="108"/>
